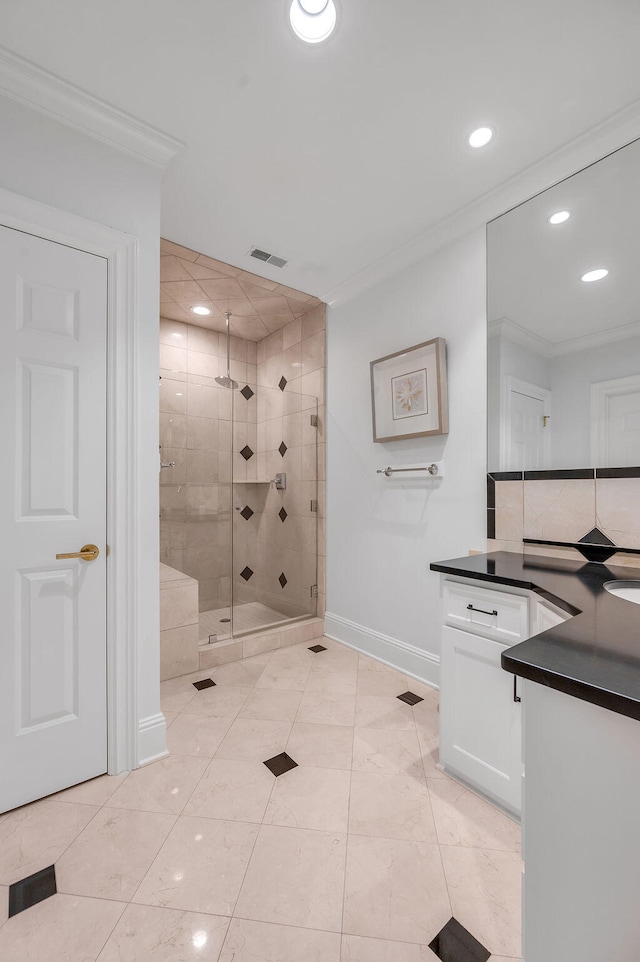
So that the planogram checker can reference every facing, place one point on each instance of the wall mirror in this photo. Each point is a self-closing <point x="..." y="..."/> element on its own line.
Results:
<point x="563" y="341"/>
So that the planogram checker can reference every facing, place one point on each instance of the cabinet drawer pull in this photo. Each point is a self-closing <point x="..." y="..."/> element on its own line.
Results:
<point x="481" y="610"/>
<point x="516" y="696"/>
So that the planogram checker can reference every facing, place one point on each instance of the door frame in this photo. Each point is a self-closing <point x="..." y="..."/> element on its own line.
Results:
<point x="514" y="385"/>
<point x="124" y="557"/>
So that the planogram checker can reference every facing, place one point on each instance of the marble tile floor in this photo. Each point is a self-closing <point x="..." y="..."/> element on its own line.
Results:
<point x="362" y="852"/>
<point x="246" y="617"/>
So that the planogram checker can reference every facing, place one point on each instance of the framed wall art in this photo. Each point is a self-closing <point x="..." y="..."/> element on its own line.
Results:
<point x="409" y="392"/>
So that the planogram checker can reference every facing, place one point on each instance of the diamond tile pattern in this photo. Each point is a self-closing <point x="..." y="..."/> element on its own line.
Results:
<point x="246" y="512"/>
<point x="597" y="546"/>
<point x="259" y="306"/>
<point x="246" y="573"/>
<point x="283" y="449"/>
<point x="410" y="699"/>
<point x="204" y="683"/>
<point x="365" y="829"/>
<point x="282" y="514"/>
<point x="31" y="890"/>
<point x="454" y="944"/>
<point x="282" y="579"/>
<point x="280" y="764"/>
<point x="246" y="392"/>
<point x="246" y="452"/>
<point x="317" y="648"/>
<point x="282" y="383"/>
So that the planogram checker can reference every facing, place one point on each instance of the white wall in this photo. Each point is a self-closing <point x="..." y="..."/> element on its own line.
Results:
<point x="56" y="165"/>
<point x="572" y="377"/>
<point x="382" y="533"/>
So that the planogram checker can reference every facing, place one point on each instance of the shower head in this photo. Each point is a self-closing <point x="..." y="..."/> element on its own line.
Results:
<point x="225" y="380"/>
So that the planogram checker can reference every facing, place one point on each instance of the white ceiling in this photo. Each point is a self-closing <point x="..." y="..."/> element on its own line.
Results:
<point x="336" y="155"/>
<point x="535" y="268"/>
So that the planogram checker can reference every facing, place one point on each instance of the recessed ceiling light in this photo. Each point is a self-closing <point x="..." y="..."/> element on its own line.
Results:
<point x="480" y="137"/>
<point x="595" y="275"/>
<point x="313" y="20"/>
<point x="559" y="217"/>
<point x="200" y="310"/>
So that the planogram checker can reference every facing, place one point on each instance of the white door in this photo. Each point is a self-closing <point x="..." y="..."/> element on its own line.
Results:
<point x="527" y="434"/>
<point x="53" y="310"/>
<point x="615" y="420"/>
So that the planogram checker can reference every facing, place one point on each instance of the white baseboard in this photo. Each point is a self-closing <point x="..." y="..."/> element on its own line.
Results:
<point x="423" y="665"/>
<point x="152" y="739"/>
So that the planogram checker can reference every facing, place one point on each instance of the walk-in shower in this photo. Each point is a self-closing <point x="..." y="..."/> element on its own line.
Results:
<point x="238" y="499"/>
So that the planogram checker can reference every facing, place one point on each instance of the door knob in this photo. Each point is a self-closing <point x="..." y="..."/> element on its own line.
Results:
<point x="88" y="552"/>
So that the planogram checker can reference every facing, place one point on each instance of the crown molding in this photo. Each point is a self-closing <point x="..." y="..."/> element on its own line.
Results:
<point x="520" y="335"/>
<point x="24" y="82"/>
<point x="533" y="342"/>
<point x="609" y="135"/>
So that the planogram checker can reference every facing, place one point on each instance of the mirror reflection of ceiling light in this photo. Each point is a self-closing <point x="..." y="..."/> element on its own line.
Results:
<point x="480" y="137"/>
<point x="313" y="20"/>
<point x="200" y="310"/>
<point x="595" y="275"/>
<point x="559" y="217"/>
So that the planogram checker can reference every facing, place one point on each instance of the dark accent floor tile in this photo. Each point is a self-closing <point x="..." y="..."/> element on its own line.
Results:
<point x="246" y="573"/>
<point x="282" y="449"/>
<point x="282" y="383"/>
<point x="570" y="474"/>
<point x="204" y="683"/>
<point x="282" y="514"/>
<point x="410" y="698"/>
<point x="246" y="392"/>
<point x="317" y="648"/>
<point x="454" y="944"/>
<point x="246" y="512"/>
<point x="282" y="579"/>
<point x="31" y="890"/>
<point x="246" y="452"/>
<point x="280" y="764"/>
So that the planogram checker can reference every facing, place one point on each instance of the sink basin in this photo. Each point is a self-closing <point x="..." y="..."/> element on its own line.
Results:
<point x="629" y="590"/>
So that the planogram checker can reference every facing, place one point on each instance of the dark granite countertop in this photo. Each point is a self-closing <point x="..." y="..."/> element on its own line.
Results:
<point x="595" y="654"/>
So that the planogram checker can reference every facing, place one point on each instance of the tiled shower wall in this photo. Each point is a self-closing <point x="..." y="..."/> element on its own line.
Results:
<point x="278" y="541"/>
<point x="564" y="506"/>
<point x="196" y="433"/>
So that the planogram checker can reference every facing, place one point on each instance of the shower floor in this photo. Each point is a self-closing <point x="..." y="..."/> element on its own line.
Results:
<point x="245" y="618"/>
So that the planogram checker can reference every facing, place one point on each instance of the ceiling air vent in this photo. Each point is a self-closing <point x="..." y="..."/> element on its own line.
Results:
<point x="266" y="257"/>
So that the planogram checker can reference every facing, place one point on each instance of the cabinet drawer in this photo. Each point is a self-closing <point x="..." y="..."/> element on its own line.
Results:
<point x="483" y="611"/>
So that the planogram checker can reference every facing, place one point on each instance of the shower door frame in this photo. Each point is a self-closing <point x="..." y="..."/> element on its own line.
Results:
<point x="126" y="565"/>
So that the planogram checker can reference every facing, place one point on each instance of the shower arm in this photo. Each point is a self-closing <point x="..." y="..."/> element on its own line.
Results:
<point x="227" y="314"/>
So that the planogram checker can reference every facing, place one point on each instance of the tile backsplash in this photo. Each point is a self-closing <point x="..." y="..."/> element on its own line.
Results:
<point x="564" y="506"/>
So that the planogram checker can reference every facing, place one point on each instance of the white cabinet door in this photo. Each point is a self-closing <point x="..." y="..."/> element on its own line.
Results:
<point x="53" y="310"/>
<point x="545" y="615"/>
<point x="480" y="724"/>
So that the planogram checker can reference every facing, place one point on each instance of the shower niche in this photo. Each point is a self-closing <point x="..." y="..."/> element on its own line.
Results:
<point x="239" y="494"/>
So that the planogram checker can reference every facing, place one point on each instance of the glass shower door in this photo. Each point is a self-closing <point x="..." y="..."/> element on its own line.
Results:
<point x="275" y="518"/>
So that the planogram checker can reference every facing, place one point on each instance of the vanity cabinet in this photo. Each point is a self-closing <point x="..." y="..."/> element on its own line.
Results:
<point x="480" y="703"/>
<point x="480" y="723"/>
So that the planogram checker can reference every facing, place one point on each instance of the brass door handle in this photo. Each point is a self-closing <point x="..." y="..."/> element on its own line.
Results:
<point x="88" y="552"/>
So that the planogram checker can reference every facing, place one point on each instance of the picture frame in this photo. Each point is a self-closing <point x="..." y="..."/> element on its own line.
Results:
<point x="409" y="392"/>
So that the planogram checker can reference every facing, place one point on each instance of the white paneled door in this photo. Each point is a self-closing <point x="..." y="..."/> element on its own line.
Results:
<point x="53" y="715"/>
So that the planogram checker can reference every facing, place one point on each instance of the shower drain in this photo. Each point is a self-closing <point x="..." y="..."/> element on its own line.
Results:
<point x="223" y="621"/>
